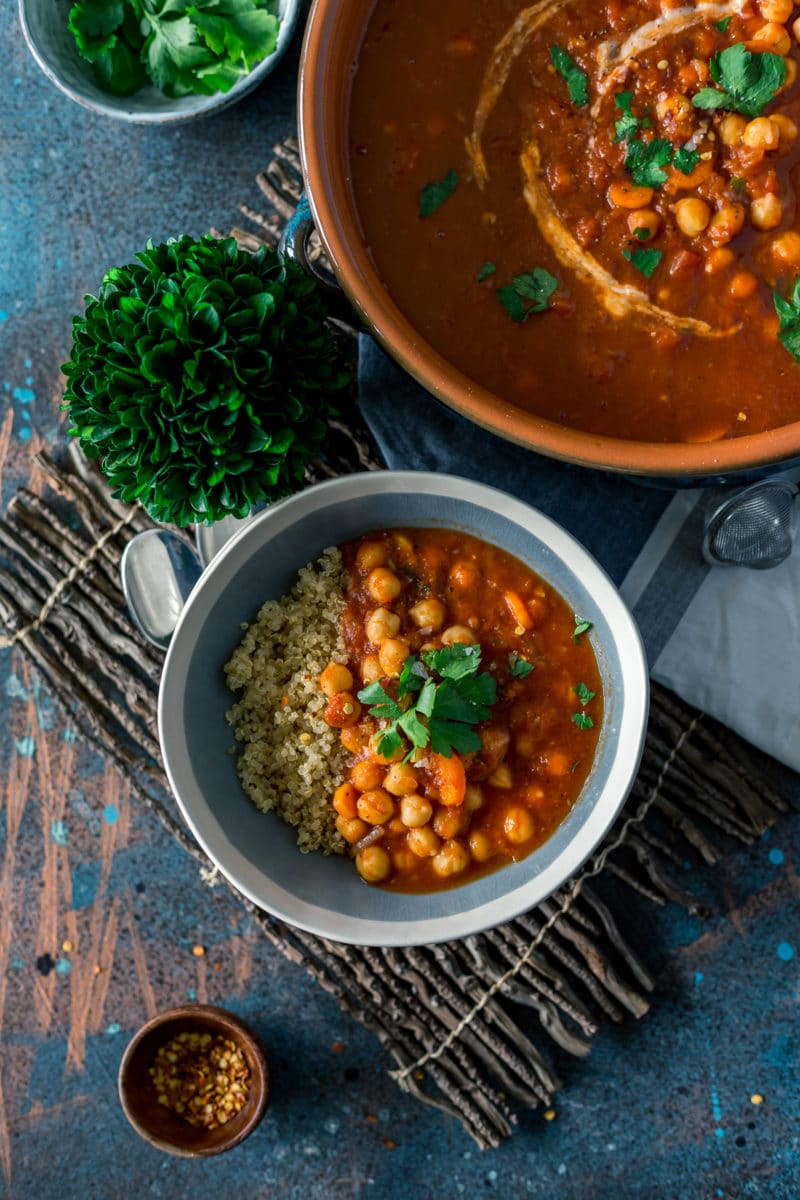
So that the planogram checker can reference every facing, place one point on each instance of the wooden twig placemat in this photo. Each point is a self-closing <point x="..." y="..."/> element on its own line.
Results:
<point x="469" y="1025"/>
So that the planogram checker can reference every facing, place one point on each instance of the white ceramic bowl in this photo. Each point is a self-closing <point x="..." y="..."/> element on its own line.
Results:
<point x="44" y="26"/>
<point x="256" y="851"/>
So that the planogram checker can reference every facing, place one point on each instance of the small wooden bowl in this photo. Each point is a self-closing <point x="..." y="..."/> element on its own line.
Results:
<point x="159" y="1125"/>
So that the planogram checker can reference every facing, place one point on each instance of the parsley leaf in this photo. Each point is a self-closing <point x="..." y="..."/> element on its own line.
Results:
<point x="433" y="195"/>
<point x="686" y="160"/>
<point x="628" y="123"/>
<point x="537" y="286"/>
<point x="723" y="24"/>
<point x="646" y="161"/>
<point x="486" y="270"/>
<point x="572" y="75"/>
<point x="642" y="234"/>
<point x="583" y="693"/>
<point x="581" y="626"/>
<point x="444" y="710"/>
<point x="582" y="720"/>
<point x="789" y="314"/>
<point x="518" y="666"/>
<point x="746" y="81"/>
<point x="644" y="261"/>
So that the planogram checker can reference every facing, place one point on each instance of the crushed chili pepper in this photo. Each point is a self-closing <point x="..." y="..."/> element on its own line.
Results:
<point x="202" y="1077"/>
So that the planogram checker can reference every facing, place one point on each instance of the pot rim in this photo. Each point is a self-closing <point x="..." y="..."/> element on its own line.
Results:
<point x="345" y="247"/>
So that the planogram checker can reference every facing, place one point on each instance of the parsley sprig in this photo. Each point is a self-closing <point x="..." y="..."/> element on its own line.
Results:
<point x="433" y="195"/>
<point x="746" y="81"/>
<point x="645" y="261"/>
<point x="440" y="697"/>
<point x="528" y="294"/>
<point x="573" y="76"/>
<point x="647" y="161"/>
<point x="788" y="311"/>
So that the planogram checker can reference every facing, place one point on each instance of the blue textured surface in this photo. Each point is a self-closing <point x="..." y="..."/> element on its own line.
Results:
<point x="661" y="1110"/>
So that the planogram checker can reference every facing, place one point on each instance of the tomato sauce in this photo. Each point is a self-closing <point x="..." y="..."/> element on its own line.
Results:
<point x="685" y="352"/>
<point x="418" y="819"/>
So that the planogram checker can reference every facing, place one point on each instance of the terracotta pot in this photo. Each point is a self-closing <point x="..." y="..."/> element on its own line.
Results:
<point x="332" y="40"/>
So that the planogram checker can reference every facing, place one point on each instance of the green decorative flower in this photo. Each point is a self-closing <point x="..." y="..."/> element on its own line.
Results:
<point x="203" y="377"/>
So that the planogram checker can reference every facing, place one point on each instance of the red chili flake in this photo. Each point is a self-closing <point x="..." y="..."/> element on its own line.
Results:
<point x="389" y="1144"/>
<point x="337" y="1047"/>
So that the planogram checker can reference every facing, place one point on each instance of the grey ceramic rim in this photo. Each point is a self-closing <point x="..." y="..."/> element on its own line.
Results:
<point x="325" y="896"/>
<point x="52" y="47"/>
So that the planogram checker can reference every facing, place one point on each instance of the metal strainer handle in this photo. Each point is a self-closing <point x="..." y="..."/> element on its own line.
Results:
<point x="754" y="527"/>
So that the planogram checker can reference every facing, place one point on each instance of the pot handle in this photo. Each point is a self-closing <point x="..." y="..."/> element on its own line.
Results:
<point x="293" y="246"/>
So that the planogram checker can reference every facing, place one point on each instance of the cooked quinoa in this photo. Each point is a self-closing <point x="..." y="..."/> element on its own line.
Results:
<point x="291" y="760"/>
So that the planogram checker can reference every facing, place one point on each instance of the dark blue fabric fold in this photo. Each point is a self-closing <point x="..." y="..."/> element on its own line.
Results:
<point x="611" y="515"/>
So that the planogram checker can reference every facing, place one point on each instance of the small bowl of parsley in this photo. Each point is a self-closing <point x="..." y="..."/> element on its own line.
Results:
<point x="157" y="61"/>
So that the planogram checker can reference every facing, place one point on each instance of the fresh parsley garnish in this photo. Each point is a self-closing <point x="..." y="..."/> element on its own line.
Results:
<point x="789" y="315"/>
<point x="582" y="720"/>
<point x="443" y="710"/>
<point x="518" y="666"/>
<point x="584" y="693"/>
<point x="723" y="24"/>
<point x="528" y="294"/>
<point x="628" y="124"/>
<point x="641" y="234"/>
<point x="746" y="81"/>
<point x="433" y="195"/>
<point x="686" y="160"/>
<point x="581" y="627"/>
<point x="573" y="76"/>
<point x="486" y="270"/>
<point x="738" y="184"/>
<point x="644" y="261"/>
<point x="646" y="161"/>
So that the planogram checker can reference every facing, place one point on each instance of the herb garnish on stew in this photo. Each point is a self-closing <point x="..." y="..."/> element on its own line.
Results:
<point x="646" y="161"/>
<point x="582" y="720"/>
<point x="581" y="626"/>
<point x="644" y="261"/>
<point x="746" y="82"/>
<point x="527" y="294"/>
<point x="445" y="709"/>
<point x="573" y="76"/>
<point x="519" y="667"/>
<point x="723" y="24"/>
<point x="486" y="270"/>
<point x="686" y="160"/>
<point x="789" y="313"/>
<point x="628" y="124"/>
<point x="584" y="693"/>
<point x="433" y="195"/>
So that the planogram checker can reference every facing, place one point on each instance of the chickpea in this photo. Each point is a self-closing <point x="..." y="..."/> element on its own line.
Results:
<point x="623" y="194"/>
<point x="449" y="822"/>
<point x="473" y="797"/>
<point x="452" y="859"/>
<point x="367" y="775"/>
<point x="401" y="779"/>
<point x="726" y="223"/>
<point x="403" y="859"/>
<point x="787" y="129"/>
<point x="766" y="212"/>
<point x="776" y="10"/>
<point x="344" y="801"/>
<point x="423" y="842"/>
<point x="518" y="825"/>
<point x="415" y="811"/>
<point x="791" y="74"/>
<point x="464" y="575"/>
<point x="335" y="678"/>
<point x="501" y="776"/>
<point x="428" y="614"/>
<point x="342" y="710"/>
<point x="692" y="215"/>
<point x="731" y="129"/>
<point x="743" y="284"/>
<point x="373" y="864"/>
<point x="381" y="624"/>
<point x="352" y="830"/>
<point x="558" y="763"/>
<point x="354" y="738"/>
<point x="718" y="260"/>
<point x="383" y="585"/>
<point x="761" y="134"/>
<point x="772" y="37"/>
<point x="796" y="29"/>
<point x="786" y="248"/>
<point x="392" y="654"/>
<point x="371" y="555"/>
<point x="375" y="807"/>
<point x="644" y="221"/>
<point x="371" y="669"/>
<point x="674" y="107"/>
<point x="458" y="633"/>
<point x="480" y="847"/>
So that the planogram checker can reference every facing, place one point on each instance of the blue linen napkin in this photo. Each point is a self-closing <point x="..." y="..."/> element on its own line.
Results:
<point x="720" y="637"/>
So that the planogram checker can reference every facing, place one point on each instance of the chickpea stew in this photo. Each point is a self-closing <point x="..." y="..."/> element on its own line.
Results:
<point x="589" y="206"/>
<point x="470" y="707"/>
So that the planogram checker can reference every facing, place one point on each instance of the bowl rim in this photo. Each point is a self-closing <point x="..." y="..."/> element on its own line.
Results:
<point x="222" y="1019"/>
<point x="206" y="106"/>
<point x="359" y="278"/>
<point x="625" y="755"/>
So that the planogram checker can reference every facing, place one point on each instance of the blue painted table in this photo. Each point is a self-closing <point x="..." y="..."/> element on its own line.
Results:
<point x="99" y="913"/>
